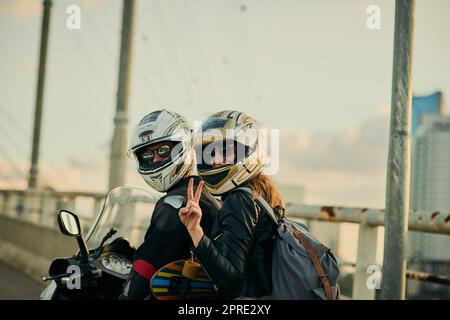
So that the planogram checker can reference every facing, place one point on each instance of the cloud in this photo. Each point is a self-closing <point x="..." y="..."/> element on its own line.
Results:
<point x="360" y="148"/>
<point x="77" y="174"/>
<point x="60" y="177"/>
<point x="347" y="167"/>
<point x="82" y="164"/>
<point x="20" y="9"/>
<point x="12" y="177"/>
<point x="25" y="9"/>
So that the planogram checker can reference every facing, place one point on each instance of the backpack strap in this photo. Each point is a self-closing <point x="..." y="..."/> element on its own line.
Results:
<point x="312" y="254"/>
<point x="217" y="205"/>
<point x="262" y="202"/>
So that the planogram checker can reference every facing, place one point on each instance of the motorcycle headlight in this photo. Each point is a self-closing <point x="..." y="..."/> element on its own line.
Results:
<point x="116" y="264"/>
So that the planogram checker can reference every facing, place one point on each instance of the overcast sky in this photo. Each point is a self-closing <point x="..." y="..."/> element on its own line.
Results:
<point x="309" y="68"/>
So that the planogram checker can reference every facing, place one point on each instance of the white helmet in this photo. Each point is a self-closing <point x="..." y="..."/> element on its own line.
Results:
<point x="173" y="132"/>
<point x="230" y="131"/>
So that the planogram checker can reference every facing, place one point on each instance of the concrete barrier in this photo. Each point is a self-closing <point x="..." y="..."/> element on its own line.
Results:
<point x="30" y="248"/>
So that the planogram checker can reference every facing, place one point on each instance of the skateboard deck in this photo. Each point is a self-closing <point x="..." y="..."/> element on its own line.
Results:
<point x="168" y="283"/>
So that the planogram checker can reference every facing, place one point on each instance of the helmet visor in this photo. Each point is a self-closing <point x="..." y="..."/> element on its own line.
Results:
<point x="220" y="153"/>
<point x="153" y="156"/>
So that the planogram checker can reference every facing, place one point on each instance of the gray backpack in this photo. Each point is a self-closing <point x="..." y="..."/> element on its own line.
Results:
<point x="302" y="267"/>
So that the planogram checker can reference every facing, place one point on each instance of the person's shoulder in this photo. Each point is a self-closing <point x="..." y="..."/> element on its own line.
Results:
<point x="238" y="194"/>
<point x="169" y="204"/>
<point x="165" y="215"/>
<point x="239" y="199"/>
<point x="174" y="200"/>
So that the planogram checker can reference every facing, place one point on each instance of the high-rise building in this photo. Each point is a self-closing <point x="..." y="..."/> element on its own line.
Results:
<point x="430" y="192"/>
<point x="422" y="105"/>
<point x="430" y="175"/>
<point x="430" y="184"/>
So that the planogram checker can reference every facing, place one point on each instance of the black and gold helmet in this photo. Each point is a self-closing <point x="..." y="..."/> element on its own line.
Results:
<point x="228" y="151"/>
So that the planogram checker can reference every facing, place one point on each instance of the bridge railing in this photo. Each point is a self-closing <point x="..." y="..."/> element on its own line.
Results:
<point x="41" y="206"/>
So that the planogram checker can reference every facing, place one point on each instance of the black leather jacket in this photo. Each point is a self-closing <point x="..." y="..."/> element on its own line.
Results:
<point x="238" y="255"/>
<point x="166" y="240"/>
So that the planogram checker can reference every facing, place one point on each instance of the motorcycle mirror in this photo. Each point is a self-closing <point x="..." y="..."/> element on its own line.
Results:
<point x="69" y="224"/>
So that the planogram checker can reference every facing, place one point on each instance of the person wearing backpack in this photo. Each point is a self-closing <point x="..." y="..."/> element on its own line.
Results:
<point x="238" y="254"/>
<point x="254" y="251"/>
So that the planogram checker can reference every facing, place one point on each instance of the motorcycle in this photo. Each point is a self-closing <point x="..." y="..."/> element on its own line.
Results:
<point x="100" y="268"/>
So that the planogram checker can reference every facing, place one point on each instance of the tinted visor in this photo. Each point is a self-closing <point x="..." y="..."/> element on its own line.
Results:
<point x="220" y="153"/>
<point x="156" y="155"/>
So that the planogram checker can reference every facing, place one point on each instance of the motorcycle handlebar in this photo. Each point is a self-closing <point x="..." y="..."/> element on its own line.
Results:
<point x="56" y="277"/>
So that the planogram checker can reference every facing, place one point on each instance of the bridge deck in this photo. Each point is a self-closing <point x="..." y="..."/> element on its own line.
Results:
<point x="15" y="285"/>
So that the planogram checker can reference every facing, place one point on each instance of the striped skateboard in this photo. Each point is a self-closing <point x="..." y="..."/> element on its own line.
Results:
<point x="168" y="283"/>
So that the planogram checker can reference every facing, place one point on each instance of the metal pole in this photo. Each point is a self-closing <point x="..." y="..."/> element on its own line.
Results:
<point x="117" y="168"/>
<point x="398" y="171"/>
<point x="33" y="177"/>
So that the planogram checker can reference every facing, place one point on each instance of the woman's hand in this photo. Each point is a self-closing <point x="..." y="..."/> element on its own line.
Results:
<point x="191" y="215"/>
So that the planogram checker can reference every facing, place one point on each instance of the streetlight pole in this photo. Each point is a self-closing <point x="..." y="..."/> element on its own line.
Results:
<point x="33" y="177"/>
<point x="117" y="168"/>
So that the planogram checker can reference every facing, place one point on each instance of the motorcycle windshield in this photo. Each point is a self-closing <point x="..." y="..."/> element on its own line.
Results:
<point x="126" y="209"/>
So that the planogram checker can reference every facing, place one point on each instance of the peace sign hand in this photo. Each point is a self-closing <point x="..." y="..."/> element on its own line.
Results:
<point x="191" y="214"/>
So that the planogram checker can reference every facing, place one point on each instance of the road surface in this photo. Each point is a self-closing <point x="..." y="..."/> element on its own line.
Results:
<point x="15" y="285"/>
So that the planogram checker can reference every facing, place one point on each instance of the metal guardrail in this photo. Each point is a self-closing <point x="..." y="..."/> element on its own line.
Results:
<point x="428" y="277"/>
<point x="433" y="222"/>
<point x="415" y="275"/>
<point x="41" y="206"/>
<point x="54" y="193"/>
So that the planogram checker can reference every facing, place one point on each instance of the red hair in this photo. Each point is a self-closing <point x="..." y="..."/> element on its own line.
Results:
<point x="262" y="185"/>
